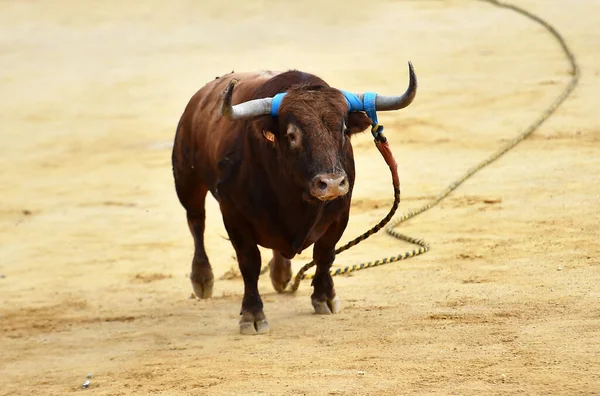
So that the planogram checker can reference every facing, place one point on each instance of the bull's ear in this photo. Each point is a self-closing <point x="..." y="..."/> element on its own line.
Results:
<point x="270" y="136"/>
<point x="357" y="122"/>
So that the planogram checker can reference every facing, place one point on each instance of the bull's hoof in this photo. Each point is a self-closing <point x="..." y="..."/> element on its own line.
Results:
<point x="327" y="307"/>
<point x="252" y="324"/>
<point x="203" y="285"/>
<point x="280" y="275"/>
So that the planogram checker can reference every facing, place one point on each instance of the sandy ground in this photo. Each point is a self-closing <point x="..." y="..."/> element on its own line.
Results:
<point x="95" y="250"/>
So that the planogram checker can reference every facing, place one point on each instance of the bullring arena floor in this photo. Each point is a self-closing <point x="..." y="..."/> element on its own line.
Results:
<point x="95" y="251"/>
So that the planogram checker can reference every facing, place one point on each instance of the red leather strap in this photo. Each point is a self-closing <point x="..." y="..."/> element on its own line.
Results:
<point x="386" y="152"/>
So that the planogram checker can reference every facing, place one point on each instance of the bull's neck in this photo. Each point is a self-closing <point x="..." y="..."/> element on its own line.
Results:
<point x="290" y="206"/>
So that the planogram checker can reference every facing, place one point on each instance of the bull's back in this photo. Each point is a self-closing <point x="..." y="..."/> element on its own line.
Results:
<point x="204" y="137"/>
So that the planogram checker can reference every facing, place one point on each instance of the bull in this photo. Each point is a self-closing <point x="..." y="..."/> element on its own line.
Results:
<point x="276" y="154"/>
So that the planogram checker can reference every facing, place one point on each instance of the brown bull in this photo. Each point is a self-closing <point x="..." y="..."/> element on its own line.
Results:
<point x="281" y="170"/>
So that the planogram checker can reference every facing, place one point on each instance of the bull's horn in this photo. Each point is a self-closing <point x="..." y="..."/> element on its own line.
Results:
<point x="385" y="103"/>
<point x="242" y="111"/>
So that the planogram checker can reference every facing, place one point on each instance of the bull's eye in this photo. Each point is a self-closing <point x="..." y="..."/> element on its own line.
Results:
<point x="293" y="135"/>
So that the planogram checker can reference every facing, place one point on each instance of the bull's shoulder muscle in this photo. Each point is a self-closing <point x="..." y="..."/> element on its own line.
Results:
<point x="207" y="145"/>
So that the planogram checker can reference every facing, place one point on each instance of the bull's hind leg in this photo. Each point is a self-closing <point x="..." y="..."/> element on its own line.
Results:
<point x="280" y="271"/>
<point x="201" y="276"/>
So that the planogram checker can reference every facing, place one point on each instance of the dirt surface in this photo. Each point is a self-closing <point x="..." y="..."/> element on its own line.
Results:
<point x="95" y="249"/>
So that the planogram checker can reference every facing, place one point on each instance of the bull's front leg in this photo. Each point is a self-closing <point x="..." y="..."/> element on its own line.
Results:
<point x="324" y="299"/>
<point x="253" y="320"/>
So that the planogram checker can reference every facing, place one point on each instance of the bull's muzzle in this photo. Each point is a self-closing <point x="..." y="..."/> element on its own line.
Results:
<point x="328" y="186"/>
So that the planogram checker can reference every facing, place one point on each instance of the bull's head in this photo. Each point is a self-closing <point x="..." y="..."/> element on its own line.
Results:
<point x="311" y="128"/>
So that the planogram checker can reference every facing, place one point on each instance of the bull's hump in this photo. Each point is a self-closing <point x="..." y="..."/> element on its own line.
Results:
<point x="251" y="76"/>
<point x="247" y="84"/>
<point x="269" y="73"/>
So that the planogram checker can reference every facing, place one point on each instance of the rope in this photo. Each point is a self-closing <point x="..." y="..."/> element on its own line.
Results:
<point x="423" y="246"/>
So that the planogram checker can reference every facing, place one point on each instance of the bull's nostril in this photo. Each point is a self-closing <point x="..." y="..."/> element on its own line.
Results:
<point x="343" y="183"/>
<point x="322" y="185"/>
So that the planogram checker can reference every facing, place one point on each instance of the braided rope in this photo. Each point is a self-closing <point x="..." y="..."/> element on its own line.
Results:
<point x="423" y="246"/>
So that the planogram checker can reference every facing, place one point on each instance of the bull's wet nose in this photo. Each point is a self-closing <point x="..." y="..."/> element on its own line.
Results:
<point x="329" y="186"/>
